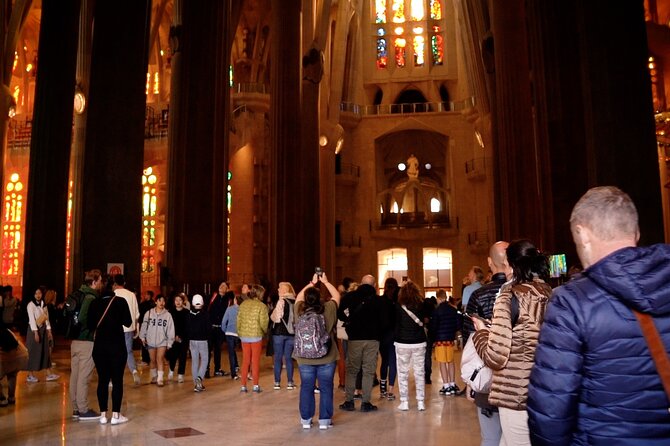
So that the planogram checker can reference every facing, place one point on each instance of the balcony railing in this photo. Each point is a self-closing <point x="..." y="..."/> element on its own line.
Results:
<point x="250" y="88"/>
<point x="421" y="107"/>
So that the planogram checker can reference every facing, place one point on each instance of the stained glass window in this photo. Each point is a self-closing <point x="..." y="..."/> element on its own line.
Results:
<point x="400" y="44"/>
<point x="398" y="9"/>
<point x="12" y="222"/>
<point x="382" y="54"/>
<point x="417" y="12"/>
<point x="425" y="20"/>
<point x="149" y="202"/>
<point x="437" y="47"/>
<point x="68" y="231"/>
<point x="380" y="11"/>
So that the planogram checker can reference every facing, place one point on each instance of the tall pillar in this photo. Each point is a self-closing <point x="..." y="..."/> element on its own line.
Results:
<point x="46" y="210"/>
<point x="295" y="241"/>
<point x="199" y="113"/>
<point x="111" y="220"/>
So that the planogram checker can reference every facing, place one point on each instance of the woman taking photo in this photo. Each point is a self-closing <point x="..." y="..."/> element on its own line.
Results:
<point x="508" y="345"/>
<point x="309" y="300"/>
<point x="39" y="337"/>
<point x="252" y="324"/>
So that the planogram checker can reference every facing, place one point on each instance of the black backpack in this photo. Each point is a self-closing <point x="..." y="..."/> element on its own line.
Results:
<point x="72" y="308"/>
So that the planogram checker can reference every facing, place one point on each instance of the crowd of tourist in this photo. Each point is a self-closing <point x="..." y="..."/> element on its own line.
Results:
<point x="570" y="365"/>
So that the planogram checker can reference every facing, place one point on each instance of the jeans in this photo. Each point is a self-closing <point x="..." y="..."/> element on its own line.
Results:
<point x="129" y="335"/>
<point x="489" y="428"/>
<point x="388" y="366"/>
<point x="283" y="347"/>
<point x="232" y="342"/>
<point x="308" y="376"/>
<point x="199" y="352"/>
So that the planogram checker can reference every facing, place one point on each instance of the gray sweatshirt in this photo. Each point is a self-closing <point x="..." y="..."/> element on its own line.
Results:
<point x="157" y="329"/>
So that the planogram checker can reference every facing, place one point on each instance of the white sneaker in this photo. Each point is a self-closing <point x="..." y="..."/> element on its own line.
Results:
<point x="421" y="406"/>
<point x="404" y="405"/>
<point x="136" y="378"/>
<point x="170" y="376"/>
<point x="52" y="377"/>
<point x="119" y="419"/>
<point x="306" y="424"/>
<point x="103" y="419"/>
<point x="180" y="378"/>
<point x="32" y="379"/>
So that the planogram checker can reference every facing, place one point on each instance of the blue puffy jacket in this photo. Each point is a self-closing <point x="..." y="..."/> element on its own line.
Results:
<point x="594" y="381"/>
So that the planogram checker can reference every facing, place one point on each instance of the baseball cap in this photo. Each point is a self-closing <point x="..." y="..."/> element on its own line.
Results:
<point x="197" y="300"/>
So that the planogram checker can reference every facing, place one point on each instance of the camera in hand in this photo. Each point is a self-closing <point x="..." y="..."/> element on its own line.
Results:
<point x="318" y="271"/>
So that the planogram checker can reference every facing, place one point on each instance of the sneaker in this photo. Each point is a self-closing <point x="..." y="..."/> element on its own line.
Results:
<point x="257" y="389"/>
<point x="180" y="378"/>
<point x="235" y="377"/>
<point x="199" y="385"/>
<point x="136" y="378"/>
<point x="243" y="389"/>
<point x="290" y="386"/>
<point x="306" y="424"/>
<point x="220" y="373"/>
<point x="103" y="419"/>
<point x="348" y="406"/>
<point x="119" y="419"/>
<point x="89" y="415"/>
<point x="52" y="377"/>
<point x="317" y="390"/>
<point x="277" y="386"/>
<point x="382" y="388"/>
<point x="197" y="389"/>
<point x="404" y="406"/>
<point x="160" y="383"/>
<point x="390" y="397"/>
<point x="421" y="406"/>
<point x="170" y="376"/>
<point x="458" y="391"/>
<point x="32" y="379"/>
<point x="75" y="414"/>
<point x="368" y="407"/>
<point x="445" y="390"/>
<point x="325" y="424"/>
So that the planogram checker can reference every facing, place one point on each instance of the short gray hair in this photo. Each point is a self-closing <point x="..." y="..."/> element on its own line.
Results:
<point x="608" y="212"/>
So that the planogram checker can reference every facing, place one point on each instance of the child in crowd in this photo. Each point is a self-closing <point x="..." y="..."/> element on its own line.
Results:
<point x="443" y="325"/>
<point x="157" y="334"/>
<point x="180" y="347"/>
<point x="197" y="331"/>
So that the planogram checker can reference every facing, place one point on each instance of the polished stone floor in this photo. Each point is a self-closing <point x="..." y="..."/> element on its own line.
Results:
<point x="175" y="415"/>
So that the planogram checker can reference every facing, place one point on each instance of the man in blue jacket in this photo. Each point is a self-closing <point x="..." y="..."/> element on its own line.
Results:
<point x="594" y="381"/>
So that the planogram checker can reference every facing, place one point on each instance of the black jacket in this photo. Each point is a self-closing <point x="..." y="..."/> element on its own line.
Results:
<point x="365" y="319"/>
<point x="407" y="331"/>
<point x="445" y="323"/>
<point x="481" y="303"/>
<point x="198" y="326"/>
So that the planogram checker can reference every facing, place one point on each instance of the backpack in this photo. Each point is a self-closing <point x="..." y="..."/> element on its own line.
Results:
<point x="72" y="308"/>
<point x="312" y="341"/>
<point x="290" y="325"/>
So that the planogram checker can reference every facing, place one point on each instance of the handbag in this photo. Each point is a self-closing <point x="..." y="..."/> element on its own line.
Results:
<point x="42" y="318"/>
<point x="473" y="370"/>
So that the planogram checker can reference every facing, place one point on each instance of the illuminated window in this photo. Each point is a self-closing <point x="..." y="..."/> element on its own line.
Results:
<point x="437" y="265"/>
<point x="418" y="28"/>
<point x="11" y="228"/>
<point x="157" y="86"/>
<point x="149" y="199"/>
<point x="148" y="83"/>
<point x="657" y="89"/>
<point x="68" y="232"/>
<point x="435" y="205"/>
<point x="391" y="263"/>
<point x="229" y="203"/>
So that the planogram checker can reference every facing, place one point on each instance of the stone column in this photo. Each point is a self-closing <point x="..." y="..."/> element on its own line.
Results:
<point x="46" y="210"/>
<point x="113" y="159"/>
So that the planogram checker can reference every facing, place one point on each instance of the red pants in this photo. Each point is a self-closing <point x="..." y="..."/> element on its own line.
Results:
<point x="251" y="353"/>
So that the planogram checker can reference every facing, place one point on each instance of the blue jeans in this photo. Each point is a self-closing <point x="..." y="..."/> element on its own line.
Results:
<point x="232" y="342"/>
<point x="308" y="376"/>
<point x="283" y="348"/>
<point x="129" y="347"/>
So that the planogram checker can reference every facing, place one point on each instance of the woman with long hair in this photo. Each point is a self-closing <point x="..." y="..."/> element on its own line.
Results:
<point x="157" y="335"/>
<point x="39" y="339"/>
<point x="252" y="324"/>
<point x="410" y="344"/>
<point x="282" y="334"/>
<point x="508" y="345"/>
<point x="309" y="300"/>
<point x="388" y="369"/>
<point x="179" y="348"/>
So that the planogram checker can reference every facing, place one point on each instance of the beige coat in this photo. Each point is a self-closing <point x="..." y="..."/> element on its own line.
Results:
<point x="510" y="351"/>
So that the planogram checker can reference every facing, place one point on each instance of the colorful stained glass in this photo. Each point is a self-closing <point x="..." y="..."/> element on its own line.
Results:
<point x="435" y="10"/>
<point x="400" y="52"/>
<point x="398" y="9"/>
<point x="11" y="234"/>
<point x="380" y="11"/>
<point x="418" y="11"/>
<point x="381" y="31"/>
<point x="382" y="53"/>
<point x="419" y="49"/>
<point x="149" y="204"/>
<point x="437" y="49"/>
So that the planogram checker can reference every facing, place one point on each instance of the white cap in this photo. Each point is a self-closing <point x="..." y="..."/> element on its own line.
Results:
<point x="197" y="301"/>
